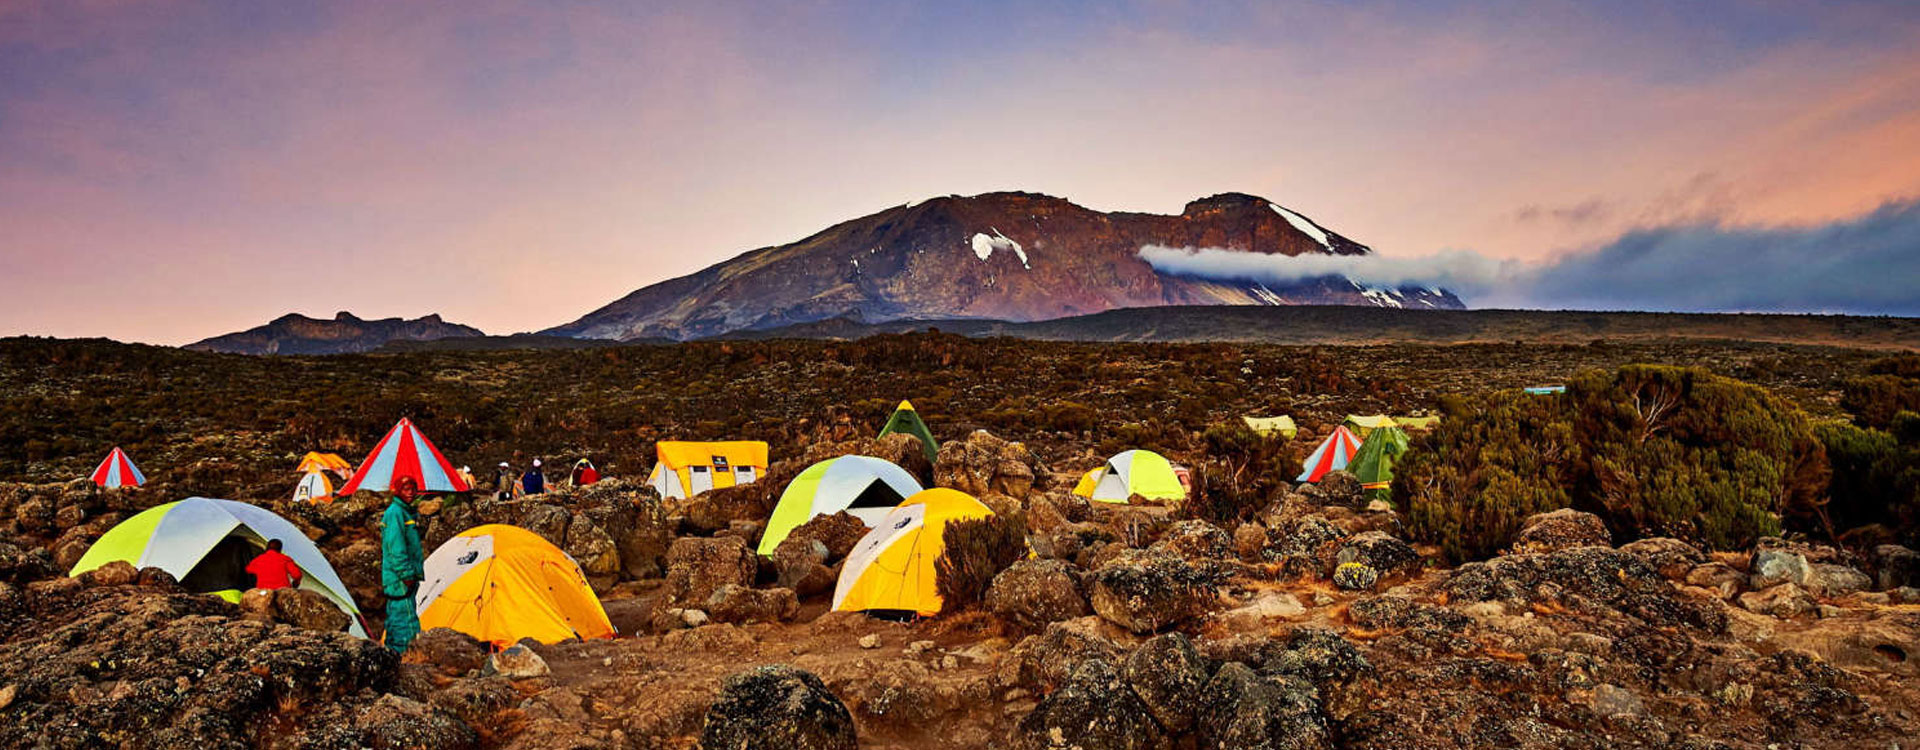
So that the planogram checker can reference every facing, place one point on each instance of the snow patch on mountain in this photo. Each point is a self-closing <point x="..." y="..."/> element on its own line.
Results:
<point x="1306" y="227"/>
<point x="984" y="245"/>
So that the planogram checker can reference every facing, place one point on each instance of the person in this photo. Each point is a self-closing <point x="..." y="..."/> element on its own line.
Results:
<point x="272" y="569"/>
<point x="584" y="473"/>
<point x="534" y="482"/>
<point x="504" y="482"/>
<point x="400" y="564"/>
<point x="466" y="477"/>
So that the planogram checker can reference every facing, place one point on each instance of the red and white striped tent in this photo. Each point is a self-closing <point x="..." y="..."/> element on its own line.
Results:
<point x="404" y="452"/>
<point x="118" y="471"/>
<point x="1332" y="455"/>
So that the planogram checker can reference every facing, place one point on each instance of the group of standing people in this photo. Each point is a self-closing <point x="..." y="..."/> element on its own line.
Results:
<point x="509" y="484"/>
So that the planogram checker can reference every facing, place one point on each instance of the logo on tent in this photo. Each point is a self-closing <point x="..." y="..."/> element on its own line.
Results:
<point x="467" y="559"/>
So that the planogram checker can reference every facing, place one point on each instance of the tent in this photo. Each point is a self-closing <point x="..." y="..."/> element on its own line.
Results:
<point x="1416" y="423"/>
<point x="313" y="488"/>
<point x="1546" y="390"/>
<point x="1333" y="454"/>
<point x="1360" y="425"/>
<point x="502" y="583"/>
<point x="118" y="471"/>
<point x="892" y="568"/>
<point x="1268" y="426"/>
<point x="583" y="473"/>
<point x="207" y="543"/>
<point x="1373" y="463"/>
<point x="1088" y="481"/>
<point x="906" y="421"/>
<point x="686" y="469"/>
<point x="865" y="486"/>
<point x="405" y="452"/>
<point x="317" y="461"/>
<point x="1136" y="472"/>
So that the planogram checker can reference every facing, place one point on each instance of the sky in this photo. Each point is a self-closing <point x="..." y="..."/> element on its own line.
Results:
<point x="176" y="170"/>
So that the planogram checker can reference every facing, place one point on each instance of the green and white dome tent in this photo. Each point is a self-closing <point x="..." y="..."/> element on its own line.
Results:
<point x="200" y="539"/>
<point x="864" y="486"/>
<point x="1135" y="472"/>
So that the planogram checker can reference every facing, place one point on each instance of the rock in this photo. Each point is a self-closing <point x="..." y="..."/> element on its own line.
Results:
<point x="1250" y="542"/>
<point x="1904" y="595"/>
<point x="1167" y="675"/>
<point x="21" y="565"/>
<point x="1307" y="546"/>
<point x="1772" y="566"/>
<point x="449" y="652"/>
<point x="1565" y="528"/>
<point x="1833" y="580"/>
<point x="697" y="567"/>
<point x="739" y="604"/>
<point x="1196" y="540"/>
<point x="1341" y="488"/>
<point x="981" y="464"/>
<point x="870" y="640"/>
<point x="1383" y="553"/>
<point x="307" y="609"/>
<point x="116" y="573"/>
<point x="1885" y="642"/>
<point x="1032" y="593"/>
<point x="1783" y="600"/>
<point x="1256" y="615"/>
<point x="1146" y="590"/>
<point x="257" y="605"/>
<point x="777" y="707"/>
<point x="1041" y="662"/>
<point x="1672" y="558"/>
<point x="800" y="564"/>
<point x="1590" y="576"/>
<point x="1354" y="576"/>
<point x="839" y="533"/>
<point x="519" y="662"/>
<point x="1381" y="612"/>
<point x="157" y="578"/>
<point x="694" y="618"/>
<point x="1612" y="700"/>
<point x="1241" y="709"/>
<point x="67" y="554"/>
<point x="1093" y="710"/>
<point x="594" y="550"/>
<point x="1722" y="579"/>
<point x="1895" y="566"/>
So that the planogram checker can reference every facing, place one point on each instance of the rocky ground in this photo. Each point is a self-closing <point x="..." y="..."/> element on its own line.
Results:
<point x="1312" y="625"/>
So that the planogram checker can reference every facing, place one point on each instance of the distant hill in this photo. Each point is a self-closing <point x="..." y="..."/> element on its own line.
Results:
<point x="345" y="333"/>
<point x="997" y="256"/>
<point x="504" y="343"/>
<point x="1363" y="325"/>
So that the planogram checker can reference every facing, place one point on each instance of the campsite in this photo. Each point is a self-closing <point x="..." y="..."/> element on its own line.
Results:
<point x="924" y="540"/>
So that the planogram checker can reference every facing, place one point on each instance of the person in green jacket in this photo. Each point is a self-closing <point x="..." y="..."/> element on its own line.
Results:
<point x="400" y="561"/>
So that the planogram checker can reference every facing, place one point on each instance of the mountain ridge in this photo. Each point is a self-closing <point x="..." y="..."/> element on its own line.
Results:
<point x="345" y="333"/>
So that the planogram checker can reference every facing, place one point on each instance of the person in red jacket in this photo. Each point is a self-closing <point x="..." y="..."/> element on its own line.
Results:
<point x="273" y="569"/>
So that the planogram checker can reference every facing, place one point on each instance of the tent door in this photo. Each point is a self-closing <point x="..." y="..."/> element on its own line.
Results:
<point x="743" y="475"/>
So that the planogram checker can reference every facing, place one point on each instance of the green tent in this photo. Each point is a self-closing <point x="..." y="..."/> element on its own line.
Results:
<point x="1373" y="463"/>
<point x="906" y="421"/>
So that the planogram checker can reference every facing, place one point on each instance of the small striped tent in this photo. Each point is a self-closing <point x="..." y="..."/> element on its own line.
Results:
<point x="404" y="452"/>
<point x="118" y="471"/>
<point x="1333" y="455"/>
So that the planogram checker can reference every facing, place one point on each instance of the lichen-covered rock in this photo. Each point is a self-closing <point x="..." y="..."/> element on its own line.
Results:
<point x="1589" y="576"/>
<point x="1770" y="566"/>
<point x="394" y="721"/>
<point x="740" y="604"/>
<point x="800" y="564"/>
<point x="450" y="652"/>
<point x="1355" y="576"/>
<point x="306" y="609"/>
<point x="518" y="662"/>
<point x="838" y="533"/>
<point x="1042" y="662"/>
<point x="1783" y="600"/>
<point x="982" y="463"/>
<point x="697" y="567"/>
<point x="1895" y="566"/>
<point x="1309" y="545"/>
<point x="1565" y="528"/>
<point x="1670" y="557"/>
<point x="1341" y="488"/>
<point x="1032" y="593"/>
<point x="1385" y="554"/>
<point x="1196" y="540"/>
<point x="1146" y="590"/>
<point x="1240" y="708"/>
<point x="116" y="573"/>
<point x="1094" y="710"/>
<point x="777" y="707"/>
<point x="1167" y="674"/>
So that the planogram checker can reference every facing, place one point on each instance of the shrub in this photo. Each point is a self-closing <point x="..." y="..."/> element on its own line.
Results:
<point x="1655" y="451"/>
<point x="1243" y="472"/>
<point x="976" y="551"/>
<point x="1876" y="476"/>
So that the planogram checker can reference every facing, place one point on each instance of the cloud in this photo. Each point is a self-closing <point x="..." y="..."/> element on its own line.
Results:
<point x="1865" y="265"/>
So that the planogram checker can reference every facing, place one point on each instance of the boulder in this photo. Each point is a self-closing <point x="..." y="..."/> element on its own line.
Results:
<point x="1835" y="580"/>
<point x="1239" y="708"/>
<point x="1042" y="662"/>
<point x="116" y="573"/>
<point x="1309" y="546"/>
<point x="800" y="564"/>
<point x="838" y="533"/>
<point x="1196" y="540"/>
<point x="1770" y="566"/>
<point x="697" y="567"/>
<point x="1146" y="590"/>
<point x="1256" y="615"/>
<point x="1167" y="674"/>
<point x="20" y="564"/>
<point x="1895" y="566"/>
<point x="307" y="609"/>
<point x="1784" y="600"/>
<point x="1565" y="528"/>
<point x="518" y="662"/>
<point x="394" y="721"/>
<point x="1342" y="489"/>
<point x="1722" y="579"/>
<point x="1094" y="710"/>
<point x="1250" y="542"/>
<point x="1032" y="593"/>
<point x="982" y="463"/>
<point x="739" y="604"/>
<point x="1385" y="554"/>
<point x="449" y="652"/>
<point x="1592" y="577"/>
<point x="777" y="707"/>
<point x="1670" y="557"/>
<point x="1355" y="576"/>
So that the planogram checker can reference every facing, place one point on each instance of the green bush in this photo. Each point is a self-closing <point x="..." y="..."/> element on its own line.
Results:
<point x="1654" y="450"/>
<point x="1876" y="476"/>
<point x="976" y="551"/>
<point x="1242" y="473"/>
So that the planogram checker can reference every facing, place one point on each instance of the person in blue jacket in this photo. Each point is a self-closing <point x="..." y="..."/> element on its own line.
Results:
<point x="400" y="564"/>
<point x="534" y="482"/>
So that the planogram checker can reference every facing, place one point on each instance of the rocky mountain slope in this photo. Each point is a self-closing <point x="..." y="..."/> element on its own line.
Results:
<point x="1002" y="256"/>
<point x="298" y="334"/>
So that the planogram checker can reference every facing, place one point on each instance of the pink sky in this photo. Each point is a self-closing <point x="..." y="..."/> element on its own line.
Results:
<point x="174" y="171"/>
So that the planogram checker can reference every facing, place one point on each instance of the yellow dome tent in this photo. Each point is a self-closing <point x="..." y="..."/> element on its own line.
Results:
<point x="317" y="461"/>
<point x="686" y="469"/>
<point x="892" y="568"/>
<point x="1269" y="426"/>
<point x="1128" y="473"/>
<point x="502" y="583"/>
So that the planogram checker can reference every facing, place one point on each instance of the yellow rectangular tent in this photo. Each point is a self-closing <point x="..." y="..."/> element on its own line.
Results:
<point x="1416" y="423"/>
<point x="1265" y="426"/>
<point x="685" y="469"/>
<point x="1363" y="424"/>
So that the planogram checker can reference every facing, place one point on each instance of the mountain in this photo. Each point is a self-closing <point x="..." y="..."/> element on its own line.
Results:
<point x="299" y="334"/>
<point x="1001" y="256"/>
